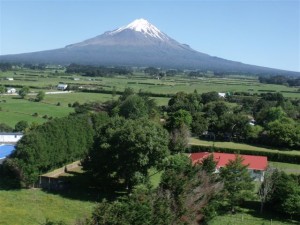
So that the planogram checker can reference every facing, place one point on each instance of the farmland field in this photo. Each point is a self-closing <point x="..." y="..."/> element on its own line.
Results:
<point x="15" y="109"/>
<point x="167" y="85"/>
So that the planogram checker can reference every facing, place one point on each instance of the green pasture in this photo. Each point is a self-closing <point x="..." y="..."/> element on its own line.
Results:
<point x="81" y="97"/>
<point x="286" y="167"/>
<point x="14" y="109"/>
<point x="239" y="146"/>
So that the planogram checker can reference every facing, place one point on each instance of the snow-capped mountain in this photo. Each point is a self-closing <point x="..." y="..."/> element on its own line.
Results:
<point x="143" y="26"/>
<point x="139" y="43"/>
<point x="138" y="33"/>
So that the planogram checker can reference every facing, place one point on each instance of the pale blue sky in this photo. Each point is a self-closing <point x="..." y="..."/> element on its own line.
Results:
<point x="264" y="33"/>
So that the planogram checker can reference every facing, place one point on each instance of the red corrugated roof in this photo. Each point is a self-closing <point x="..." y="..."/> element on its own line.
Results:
<point x="253" y="162"/>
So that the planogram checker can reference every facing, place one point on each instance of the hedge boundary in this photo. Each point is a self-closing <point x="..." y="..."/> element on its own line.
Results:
<point x="272" y="156"/>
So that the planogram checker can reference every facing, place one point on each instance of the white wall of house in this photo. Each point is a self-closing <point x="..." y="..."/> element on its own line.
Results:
<point x="257" y="175"/>
<point x="10" y="137"/>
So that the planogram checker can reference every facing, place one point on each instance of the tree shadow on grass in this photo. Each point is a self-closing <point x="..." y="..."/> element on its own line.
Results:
<point x="81" y="186"/>
<point x="8" y="184"/>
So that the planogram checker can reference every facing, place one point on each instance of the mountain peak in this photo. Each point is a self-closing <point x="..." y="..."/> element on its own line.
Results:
<point x="143" y="26"/>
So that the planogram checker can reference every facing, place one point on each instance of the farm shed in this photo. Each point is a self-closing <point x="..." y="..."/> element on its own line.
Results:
<point x="256" y="164"/>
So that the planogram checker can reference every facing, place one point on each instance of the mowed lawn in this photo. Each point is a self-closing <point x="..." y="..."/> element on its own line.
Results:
<point x="33" y="207"/>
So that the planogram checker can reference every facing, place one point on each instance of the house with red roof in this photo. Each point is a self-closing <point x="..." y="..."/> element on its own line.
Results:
<point x="256" y="164"/>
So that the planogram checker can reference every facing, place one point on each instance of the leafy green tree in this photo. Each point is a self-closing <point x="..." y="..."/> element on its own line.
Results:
<point x="284" y="133"/>
<point x="135" y="209"/>
<point x="179" y="139"/>
<point x="23" y="92"/>
<point x="51" y="145"/>
<point x="178" y="119"/>
<point x="21" y="126"/>
<point x="125" y="150"/>
<point x="199" y="124"/>
<point x="208" y="164"/>
<point x="127" y="92"/>
<point x="133" y="107"/>
<point x="5" y="128"/>
<point x="189" y="102"/>
<point x="252" y="133"/>
<point x="210" y="97"/>
<point x="285" y="197"/>
<point x="238" y="185"/>
<point x="2" y="89"/>
<point x="271" y="114"/>
<point x="40" y="96"/>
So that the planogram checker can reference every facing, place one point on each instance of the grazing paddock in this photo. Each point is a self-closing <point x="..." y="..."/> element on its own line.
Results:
<point x="14" y="109"/>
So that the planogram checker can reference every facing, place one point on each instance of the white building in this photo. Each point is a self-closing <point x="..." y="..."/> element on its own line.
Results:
<point x="9" y="78"/>
<point x="222" y="95"/>
<point x="62" y="87"/>
<point x="11" y="90"/>
<point x="10" y="137"/>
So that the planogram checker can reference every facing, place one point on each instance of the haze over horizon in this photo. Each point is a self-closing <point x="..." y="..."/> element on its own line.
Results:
<point x="258" y="33"/>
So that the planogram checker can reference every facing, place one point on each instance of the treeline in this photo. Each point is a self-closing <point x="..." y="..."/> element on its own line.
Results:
<point x="49" y="146"/>
<point x="283" y="80"/>
<point x="97" y="71"/>
<point x="268" y="119"/>
<point x="5" y="66"/>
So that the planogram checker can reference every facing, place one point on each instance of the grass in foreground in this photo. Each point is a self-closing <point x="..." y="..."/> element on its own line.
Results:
<point x="33" y="207"/>
<point x="250" y="215"/>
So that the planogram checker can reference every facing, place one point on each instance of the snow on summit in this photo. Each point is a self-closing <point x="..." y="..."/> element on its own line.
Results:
<point x="143" y="26"/>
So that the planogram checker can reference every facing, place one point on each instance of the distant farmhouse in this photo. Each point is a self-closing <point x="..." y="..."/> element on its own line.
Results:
<point x="10" y="78"/>
<point x="62" y="87"/>
<point x="10" y="137"/>
<point x="11" y="91"/>
<point x="222" y="95"/>
<point x="256" y="164"/>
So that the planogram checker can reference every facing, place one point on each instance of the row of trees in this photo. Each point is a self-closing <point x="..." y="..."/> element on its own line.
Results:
<point x="97" y="71"/>
<point x="283" y="80"/>
<point x="49" y="146"/>
<point x="257" y="119"/>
